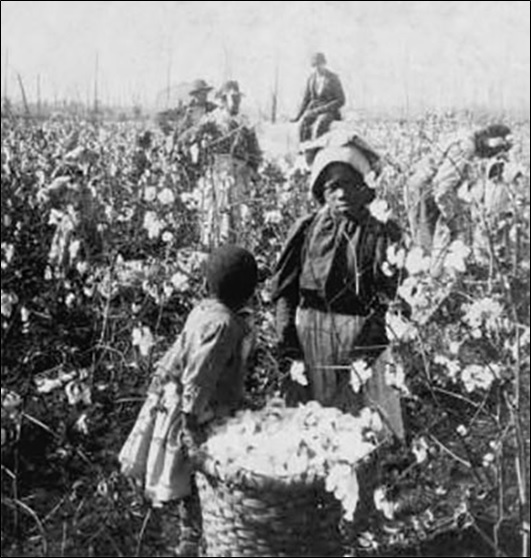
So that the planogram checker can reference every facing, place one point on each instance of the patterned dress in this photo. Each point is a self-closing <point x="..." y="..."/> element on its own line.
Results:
<point x="202" y="375"/>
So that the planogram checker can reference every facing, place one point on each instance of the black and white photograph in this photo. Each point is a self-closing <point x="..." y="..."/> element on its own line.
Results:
<point x="265" y="278"/>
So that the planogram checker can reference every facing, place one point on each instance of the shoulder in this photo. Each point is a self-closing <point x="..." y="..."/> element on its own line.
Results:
<point x="210" y="319"/>
<point x="332" y="75"/>
<point x="301" y="226"/>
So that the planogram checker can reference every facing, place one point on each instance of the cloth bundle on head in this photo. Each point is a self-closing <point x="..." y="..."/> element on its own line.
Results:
<point x="493" y="140"/>
<point x="346" y="148"/>
<point x="232" y="275"/>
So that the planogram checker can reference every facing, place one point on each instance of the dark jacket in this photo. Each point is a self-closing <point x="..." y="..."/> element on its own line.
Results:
<point x="329" y="100"/>
<point x="335" y="265"/>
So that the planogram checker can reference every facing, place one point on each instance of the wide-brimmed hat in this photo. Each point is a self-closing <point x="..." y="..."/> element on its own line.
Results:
<point x="199" y="85"/>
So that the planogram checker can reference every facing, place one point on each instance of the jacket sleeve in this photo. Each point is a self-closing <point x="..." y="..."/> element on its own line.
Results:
<point x="285" y="286"/>
<point x="205" y="359"/>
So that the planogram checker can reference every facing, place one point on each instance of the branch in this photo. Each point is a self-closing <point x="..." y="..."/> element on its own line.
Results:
<point x="450" y="452"/>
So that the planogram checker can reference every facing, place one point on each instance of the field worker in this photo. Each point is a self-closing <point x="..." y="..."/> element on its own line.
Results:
<point x="75" y="212"/>
<point x="141" y="160"/>
<point x="231" y="163"/>
<point x="332" y="286"/>
<point x="200" y="379"/>
<point x="322" y="101"/>
<point x="198" y="107"/>
<point x="493" y="207"/>
<point x="436" y="193"/>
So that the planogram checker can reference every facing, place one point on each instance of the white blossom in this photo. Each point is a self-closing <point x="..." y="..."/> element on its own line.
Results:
<point x="360" y="374"/>
<point x="476" y="377"/>
<point x="380" y="210"/>
<point x="153" y="225"/>
<point x="78" y="392"/>
<point x="417" y="262"/>
<point x="273" y="217"/>
<point x="150" y="194"/>
<point x="166" y="197"/>
<point x="398" y="329"/>
<point x="8" y="301"/>
<point x="452" y="366"/>
<point x="382" y="504"/>
<point x="456" y="258"/>
<point x="143" y="339"/>
<point x="297" y="373"/>
<point x="180" y="281"/>
<point x="420" y="449"/>
<point x="486" y="311"/>
<point x="396" y="256"/>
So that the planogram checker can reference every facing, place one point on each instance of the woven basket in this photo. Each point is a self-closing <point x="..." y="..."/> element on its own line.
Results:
<point x="250" y="515"/>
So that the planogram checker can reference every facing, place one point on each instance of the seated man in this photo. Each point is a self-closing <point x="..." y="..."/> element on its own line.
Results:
<point x="323" y="99"/>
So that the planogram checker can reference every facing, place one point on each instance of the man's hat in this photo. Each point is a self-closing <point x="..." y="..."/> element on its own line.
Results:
<point x="200" y="85"/>
<point x="318" y="58"/>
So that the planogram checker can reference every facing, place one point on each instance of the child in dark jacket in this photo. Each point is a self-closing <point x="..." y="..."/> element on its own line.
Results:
<point x="199" y="379"/>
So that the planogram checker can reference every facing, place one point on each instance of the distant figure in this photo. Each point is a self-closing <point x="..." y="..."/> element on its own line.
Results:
<point x="198" y="107"/>
<point x="323" y="99"/>
<point x="232" y="156"/>
<point x="493" y="203"/>
<point x="75" y="213"/>
<point x="141" y="161"/>
<point x="438" y="210"/>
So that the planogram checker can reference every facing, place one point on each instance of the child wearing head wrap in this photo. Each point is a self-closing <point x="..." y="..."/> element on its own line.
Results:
<point x="200" y="379"/>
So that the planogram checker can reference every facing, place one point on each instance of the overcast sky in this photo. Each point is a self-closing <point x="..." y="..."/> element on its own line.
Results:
<point x="387" y="53"/>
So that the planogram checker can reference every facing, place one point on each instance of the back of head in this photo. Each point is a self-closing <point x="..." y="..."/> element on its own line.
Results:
<point x="232" y="275"/>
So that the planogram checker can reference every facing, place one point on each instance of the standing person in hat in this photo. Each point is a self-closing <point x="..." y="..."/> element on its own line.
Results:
<point x="199" y="379"/>
<point x="198" y="107"/>
<point x="233" y="158"/>
<point x="437" y="190"/>
<point x="186" y="132"/>
<point x="333" y="284"/>
<point x="322" y="101"/>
